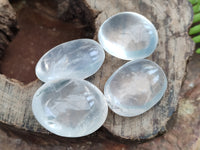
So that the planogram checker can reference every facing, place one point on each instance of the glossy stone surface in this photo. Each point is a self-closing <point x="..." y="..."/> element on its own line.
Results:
<point x="128" y="36"/>
<point x="75" y="59"/>
<point x="135" y="87"/>
<point x="70" y="107"/>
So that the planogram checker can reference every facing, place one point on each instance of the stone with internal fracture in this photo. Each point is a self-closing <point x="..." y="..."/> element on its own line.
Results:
<point x="75" y="59"/>
<point x="128" y="35"/>
<point x="135" y="87"/>
<point x="70" y="107"/>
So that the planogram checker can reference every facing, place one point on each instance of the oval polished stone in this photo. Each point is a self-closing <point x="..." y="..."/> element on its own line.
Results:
<point x="70" y="107"/>
<point x="75" y="59"/>
<point x="135" y="87"/>
<point x="128" y="36"/>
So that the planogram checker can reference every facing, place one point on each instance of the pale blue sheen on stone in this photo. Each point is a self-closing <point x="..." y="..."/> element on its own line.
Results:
<point x="135" y="87"/>
<point x="74" y="59"/>
<point x="128" y="36"/>
<point x="70" y="107"/>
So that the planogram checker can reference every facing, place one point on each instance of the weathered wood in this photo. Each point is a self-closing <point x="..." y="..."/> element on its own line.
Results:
<point x="7" y="25"/>
<point x="172" y="21"/>
<point x="171" y="18"/>
<point x="183" y="129"/>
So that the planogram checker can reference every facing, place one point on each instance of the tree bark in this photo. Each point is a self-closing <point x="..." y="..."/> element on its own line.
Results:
<point x="8" y="25"/>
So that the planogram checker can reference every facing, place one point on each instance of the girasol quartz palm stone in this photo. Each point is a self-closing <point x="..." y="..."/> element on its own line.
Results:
<point x="75" y="59"/>
<point x="128" y="36"/>
<point x="135" y="87"/>
<point x="70" y="107"/>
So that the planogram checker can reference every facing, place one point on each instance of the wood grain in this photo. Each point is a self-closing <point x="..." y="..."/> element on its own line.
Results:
<point x="172" y="21"/>
<point x="183" y="130"/>
<point x="171" y="18"/>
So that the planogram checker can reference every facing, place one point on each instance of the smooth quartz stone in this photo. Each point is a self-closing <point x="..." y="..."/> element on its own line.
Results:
<point x="128" y="36"/>
<point x="75" y="59"/>
<point x="70" y="107"/>
<point x="135" y="87"/>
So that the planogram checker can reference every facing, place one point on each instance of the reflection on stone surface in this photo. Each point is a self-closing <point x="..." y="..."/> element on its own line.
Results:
<point x="135" y="87"/>
<point x="70" y="107"/>
<point x="75" y="59"/>
<point x="128" y="36"/>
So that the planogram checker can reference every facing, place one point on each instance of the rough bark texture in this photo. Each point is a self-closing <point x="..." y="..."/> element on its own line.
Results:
<point x="7" y="25"/>
<point x="183" y="130"/>
<point x="172" y="19"/>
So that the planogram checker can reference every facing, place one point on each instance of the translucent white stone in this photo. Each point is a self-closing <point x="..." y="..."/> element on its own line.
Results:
<point x="75" y="59"/>
<point x="128" y="36"/>
<point x="135" y="87"/>
<point x="70" y="107"/>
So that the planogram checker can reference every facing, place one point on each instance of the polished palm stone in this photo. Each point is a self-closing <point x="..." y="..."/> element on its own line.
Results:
<point x="128" y="36"/>
<point x="75" y="59"/>
<point x="70" y="107"/>
<point x="135" y="87"/>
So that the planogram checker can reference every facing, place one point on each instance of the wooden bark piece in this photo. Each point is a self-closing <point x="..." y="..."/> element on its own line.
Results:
<point x="7" y="25"/>
<point x="172" y="19"/>
<point x="183" y="132"/>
